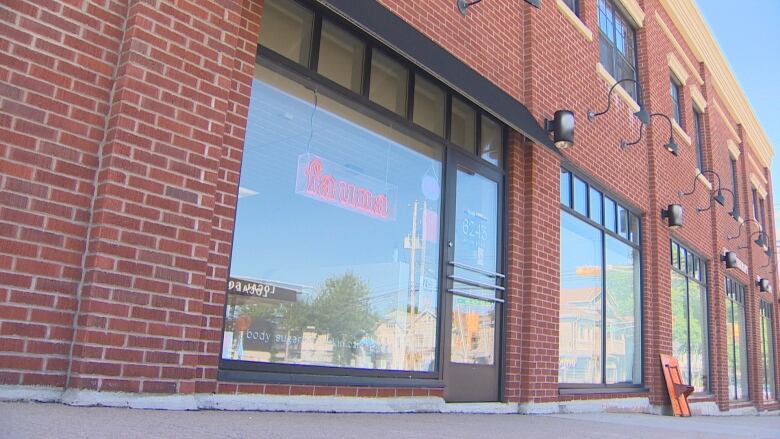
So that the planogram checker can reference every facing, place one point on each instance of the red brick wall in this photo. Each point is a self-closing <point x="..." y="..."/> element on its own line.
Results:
<point x="124" y="132"/>
<point x="57" y="63"/>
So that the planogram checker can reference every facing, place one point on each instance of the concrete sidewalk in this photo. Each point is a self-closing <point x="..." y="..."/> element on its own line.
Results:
<point x="40" y="421"/>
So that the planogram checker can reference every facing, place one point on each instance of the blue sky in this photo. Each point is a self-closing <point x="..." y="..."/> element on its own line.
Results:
<point x="749" y="36"/>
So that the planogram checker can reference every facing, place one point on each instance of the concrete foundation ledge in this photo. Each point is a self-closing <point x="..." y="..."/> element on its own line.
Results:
<point x="322" y="404"/>
<point x="611" y="405"/>
<point x="30" y="393"/>
<point x="129" y="400"/>
<point x="495" y="408"/>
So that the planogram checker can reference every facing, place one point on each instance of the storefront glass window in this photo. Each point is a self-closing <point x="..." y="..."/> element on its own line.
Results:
<point x="736" y="340"/>
<point x="335" y="254"/>
<point x="768" y="351"/>
<point x="580" y="307"/>
<point x="287" y="29"/>
<point x="600" y="303"/>
<point x="690" y="344"/>
<point x="623" y="307"/>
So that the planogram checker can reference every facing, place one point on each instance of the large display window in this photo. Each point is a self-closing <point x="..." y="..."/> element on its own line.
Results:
<point x="690" y="327"/>
<point x="736" y="341"/>
<point x="336" y="264"/>
<point x="600" y="304"/>
<point x="335" y="254"/>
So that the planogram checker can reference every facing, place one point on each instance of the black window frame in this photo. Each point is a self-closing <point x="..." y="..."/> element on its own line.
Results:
<point x="754" y="192"/>
<point x="616" y="55"/>
<point x="676" y="95"/>
<point x="734" y="185"/>
<point x="577" y="388"/>
<point x="680" y="265"/>
<point x="573" y="5"/>
<point x="699" y="138"/>
<point x="291" y="374"/>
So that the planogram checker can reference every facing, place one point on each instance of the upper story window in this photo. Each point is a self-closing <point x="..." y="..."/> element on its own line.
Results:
<point x="600" y="302"/>
<point x="697" y="128"/>
<point x="734" y="186"/>
<point x="574" y="5"/>
<point x="617" y="45"/>
<point x="755" y="205"/>
<point x="676" y="101"/>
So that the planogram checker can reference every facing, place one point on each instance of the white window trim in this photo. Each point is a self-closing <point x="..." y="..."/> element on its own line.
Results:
<point x="698" y="99"/>
<point x="619" y="89"/>
<point x="633" y="12"/>
<point x="734" y="151"/>
<point x="677" y="69"/>
<point x="572" y="18"/>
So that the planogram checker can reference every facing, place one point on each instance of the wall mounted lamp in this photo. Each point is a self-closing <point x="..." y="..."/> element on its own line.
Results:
<point x="642" y="114"/>
<point x="763" y="284"/>
<point x="670" y="146"/>
<point x="718" y="193"/>
<point x="562" y="127"/>
<point x="463" y="5"/>
<point x="768" y="254"/>
<point x="749" y="220"/>
<point x="673" y="214"/>
<point x="730" y="258"/>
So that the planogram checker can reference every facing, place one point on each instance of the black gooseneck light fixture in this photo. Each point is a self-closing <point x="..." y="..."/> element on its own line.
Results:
<point x="760" y="241"/>
<point x="673" y="214"/>
<point x="642" y="114"/>
<point x="562" y="127"/>
<point x="718" y="193"/>
<point x="670" y="146"/>
<point x="768" y="254"/>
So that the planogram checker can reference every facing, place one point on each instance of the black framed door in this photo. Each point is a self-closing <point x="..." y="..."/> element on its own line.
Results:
<point x="473" y="280"/>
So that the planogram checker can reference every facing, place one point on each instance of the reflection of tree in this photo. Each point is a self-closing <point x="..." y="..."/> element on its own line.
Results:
<point x="342" y="311"/>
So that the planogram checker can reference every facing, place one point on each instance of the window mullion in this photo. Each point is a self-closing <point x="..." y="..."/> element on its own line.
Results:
<point x="603" y="308"/>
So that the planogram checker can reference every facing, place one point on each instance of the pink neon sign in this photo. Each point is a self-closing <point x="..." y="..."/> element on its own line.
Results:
<point x="338" y="185"/>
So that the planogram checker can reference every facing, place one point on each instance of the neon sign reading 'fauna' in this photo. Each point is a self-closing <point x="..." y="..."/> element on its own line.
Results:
<point x="338" y="185"/>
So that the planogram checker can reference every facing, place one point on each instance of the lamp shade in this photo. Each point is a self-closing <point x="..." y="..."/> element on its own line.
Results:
<point x="673" y="215"/>
<point x="719" y="198"/>
<point x="672" y="147"/>
<point x="562" y="127"/>
<point x="730" y="258"/>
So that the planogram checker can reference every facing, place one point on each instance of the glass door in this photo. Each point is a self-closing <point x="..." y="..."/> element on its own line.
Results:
<point x="474" y="282"/>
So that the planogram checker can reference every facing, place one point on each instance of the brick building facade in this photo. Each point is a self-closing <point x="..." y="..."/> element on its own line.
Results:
<point x="126" y="125"/>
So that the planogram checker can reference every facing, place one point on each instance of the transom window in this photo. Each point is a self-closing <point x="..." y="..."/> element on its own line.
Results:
<point x="617" y="45"/>
<point x="600" y="304"/>
<point x="689" y="316"/>
<point x="390" y="83"/>
<point x="736" y="340"/>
